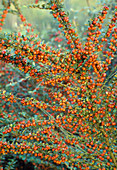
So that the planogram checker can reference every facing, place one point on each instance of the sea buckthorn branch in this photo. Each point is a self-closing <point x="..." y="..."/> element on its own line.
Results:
<point x="73" y="161"/>
<point x="94" y="23"/>
<point x="107" y="140"/>
<point x="29" y="52"/>
<point x="64" y="20"/>
<point x="27" y="66"/>
<point x="3" y="16"/>
<point x="112" y="47"/>
<point x="14" y="12"/>
<point x="80" y="111"/>
<point x="49" y="64"/>
<point x="61" y="16"/>
<point x="63" y="130"/>
<point x="109" y="147"/>
<point x="26" y="100"/>
<point x="43" y="6"/>
<point x="70" y="35"/>
<point x="67" y="132"/>
<point x="111" y="75"/>
<point x="52" y="119"/>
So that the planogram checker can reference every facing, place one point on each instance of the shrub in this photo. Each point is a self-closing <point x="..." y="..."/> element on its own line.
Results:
<point x="58" y="107"/>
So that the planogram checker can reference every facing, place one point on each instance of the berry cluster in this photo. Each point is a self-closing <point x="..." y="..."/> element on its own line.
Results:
<point x="58" y="108"/>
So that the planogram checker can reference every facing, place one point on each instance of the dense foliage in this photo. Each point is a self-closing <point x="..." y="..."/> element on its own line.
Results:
<point x="58" y="106"/>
